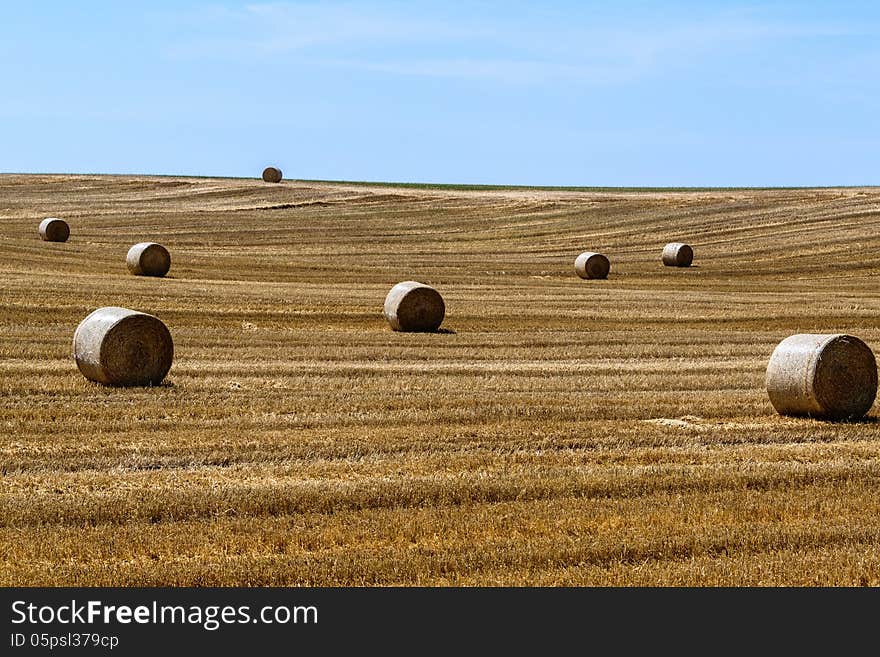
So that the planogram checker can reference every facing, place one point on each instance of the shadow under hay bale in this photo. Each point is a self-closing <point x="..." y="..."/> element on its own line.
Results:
<point x="827" y="376"/>
<point x="148" y="259"/>
<point x="592" y="265"/>
<point x="415" y="307"/>
<point x="121" y="347"/>
<point x="53" y="229"/>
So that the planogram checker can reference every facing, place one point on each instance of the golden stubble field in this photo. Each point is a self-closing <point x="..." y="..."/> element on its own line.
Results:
<point x="561" y="432"/>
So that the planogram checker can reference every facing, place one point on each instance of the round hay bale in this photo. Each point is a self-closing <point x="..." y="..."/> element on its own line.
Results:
<point x="272" y="174"/>
<point x="122" y="347"/>
<point x="148" y="259"/>
<point x="676" y="254"/>
<point x="830" y="376"/>
<point x="592" y="265"/>
<point x="53" y="229"/>
<point x="413" y="306"/>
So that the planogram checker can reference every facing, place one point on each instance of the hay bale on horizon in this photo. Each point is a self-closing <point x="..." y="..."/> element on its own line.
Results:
<point x="677" y="254"/>
<point x="53" y="229"/>
<point x="272" y="174"/>
<point x="592" y="265"/>
<point x="121" y="347"/>
<point x="824" y="375"/>
<point x="414" y="306"/>
<point x="148" y="259"/>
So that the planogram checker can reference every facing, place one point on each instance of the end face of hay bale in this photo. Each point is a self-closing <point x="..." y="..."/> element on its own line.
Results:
<point x="830" y="376"/>
<point x="53" y="229"/>
<point x="148" y="259"/>
<point x="414" y="306"/>
<point x="121" y="347"/>
<point x="676" y="254"/>
<point x="272" y="174"/>
<point x="592" y="265"/>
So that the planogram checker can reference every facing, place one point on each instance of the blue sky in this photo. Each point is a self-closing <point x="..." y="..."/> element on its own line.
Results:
<point x="556" y="93"/>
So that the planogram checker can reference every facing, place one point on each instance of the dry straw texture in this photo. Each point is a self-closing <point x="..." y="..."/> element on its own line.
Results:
<point x="413" y="306"/>
<point x="122" y="347"/>
<point x="54" y="230"/>
<point x="148" y="259"/>
<point x="676" y="254"/>
<point x="825" y="375"/>
<point x="592" y="265"/>
<point x="556" y="439"/>
<point x="272" y="174"/>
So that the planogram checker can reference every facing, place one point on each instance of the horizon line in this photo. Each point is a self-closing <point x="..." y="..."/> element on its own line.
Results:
<point x="458" y="185"/>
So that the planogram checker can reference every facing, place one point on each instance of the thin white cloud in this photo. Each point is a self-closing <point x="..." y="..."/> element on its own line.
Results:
<point x="503" y="70"/>
<point x="507" y="47"/>
<point x="291" y="28"/>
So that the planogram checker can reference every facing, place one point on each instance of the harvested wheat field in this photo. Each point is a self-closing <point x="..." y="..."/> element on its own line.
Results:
<point x="555" y="431"/>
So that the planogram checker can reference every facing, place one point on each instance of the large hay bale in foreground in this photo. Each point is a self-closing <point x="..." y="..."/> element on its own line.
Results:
<point x="53" y="229"/>
<point x="148" y="259"/>
<point x="592" y="265"/>
<point x="413" y="306"/>
<point x="272" y="174"/>
<point x="676" y="254"/>
<point x="121" y="347"/>
<point x="830" y="376"/>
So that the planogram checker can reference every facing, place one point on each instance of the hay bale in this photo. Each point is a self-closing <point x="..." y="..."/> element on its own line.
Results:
<point x="148" y="259"/>
<point x="53" y="229"/>
<point x="831" y="376"/>
<point x="592" y="265"/>
<point x="676" y="254"/>
<point x="122" y="347"/>
<point x="413" y="306"/>
<point x="272" y="175"/>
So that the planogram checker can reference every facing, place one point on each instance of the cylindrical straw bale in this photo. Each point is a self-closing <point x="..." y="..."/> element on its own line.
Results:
<point x="122" y="347"/>
<point x="272" y="174"/>
<point x="829" y="376"/>
<point x="413" y="306"/>
<point x="148" y="259"/>
<point x="53" y="229"/>
<point x="676" y="254"/>
<point x="592" y="265"/>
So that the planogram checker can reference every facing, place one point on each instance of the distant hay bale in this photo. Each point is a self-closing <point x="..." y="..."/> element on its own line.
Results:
<point x="413" y="306"/>
<point x="122" y="347"/>
<point x="830" y="376"/>
<point x="676" y="254"/>
<point x="272" y="174"/>
<point x="53" y="229"/>
<point x="592" y="265"/>
<point x="148" y="259"/>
